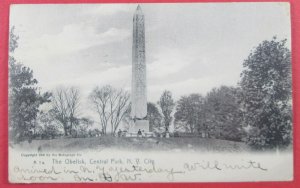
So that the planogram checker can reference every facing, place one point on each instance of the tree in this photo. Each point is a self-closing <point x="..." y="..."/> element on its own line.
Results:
<point x="13" y="40"/>
<point x="223" y="113"/>
<point x="166" y="104"/>
<point x="189" y="112"/>
<point x="111" y="104"/>
<point x="49" y="127"/>
<point x="94" y="132"/>
<point x="100" y="99"/>
<point x="25" y="97"/>
<point x="81" y="128"/>
<point x="266" y="85"/>
<point x="65" y="107"/>
<point x="154" y="116"/>
<point x="119" y="107"/>
<point x="127" y="119"/>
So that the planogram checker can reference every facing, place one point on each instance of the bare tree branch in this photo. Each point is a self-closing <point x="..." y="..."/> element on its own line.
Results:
<point x="111" y="105"/>
<point x="65" y="103"/>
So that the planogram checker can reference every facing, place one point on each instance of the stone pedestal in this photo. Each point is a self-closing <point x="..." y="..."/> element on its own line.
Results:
<point x="143" y="125"/>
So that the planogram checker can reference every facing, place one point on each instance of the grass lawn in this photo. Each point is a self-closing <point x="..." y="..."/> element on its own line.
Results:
<point x="134" y="144"/>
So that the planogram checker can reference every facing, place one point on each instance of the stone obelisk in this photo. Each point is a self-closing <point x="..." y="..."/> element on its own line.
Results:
<point x="139" y="80"/>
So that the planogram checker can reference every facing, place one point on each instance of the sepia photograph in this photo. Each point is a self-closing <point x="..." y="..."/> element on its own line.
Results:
<point x="156" y="92"/>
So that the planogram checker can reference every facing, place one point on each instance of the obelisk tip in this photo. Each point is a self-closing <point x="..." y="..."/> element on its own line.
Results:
<point x="138" y="9"/>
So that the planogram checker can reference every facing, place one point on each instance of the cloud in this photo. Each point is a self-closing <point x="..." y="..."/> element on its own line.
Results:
<point x="74" y="37"/>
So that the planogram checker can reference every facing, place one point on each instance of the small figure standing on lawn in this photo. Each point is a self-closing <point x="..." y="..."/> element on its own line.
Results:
<point x="139" y="134"/>
<point x="119" y="133"/>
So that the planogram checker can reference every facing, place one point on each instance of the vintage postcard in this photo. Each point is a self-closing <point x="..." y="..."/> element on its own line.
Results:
<point x="159" y="92"/>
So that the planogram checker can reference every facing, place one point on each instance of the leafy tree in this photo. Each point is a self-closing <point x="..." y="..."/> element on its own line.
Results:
<point x="266" y="84"/>
<point x="49" y="127"/>
<point x="223" y="113"/>
<point x="189" y="112"/>
<point x="154" y="116"/>
<point x="81" y="128"/>
<point x="24" y="96"/>
<point x="166" y="104"/>
<point x="94" y="132"/>
<point x="13" y="40"/>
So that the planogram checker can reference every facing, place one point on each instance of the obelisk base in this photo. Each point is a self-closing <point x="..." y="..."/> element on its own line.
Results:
<point x="142" y="125"/>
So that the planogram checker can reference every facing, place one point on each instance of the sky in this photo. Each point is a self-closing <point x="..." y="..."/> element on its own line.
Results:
<point x="190" y="48"/>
